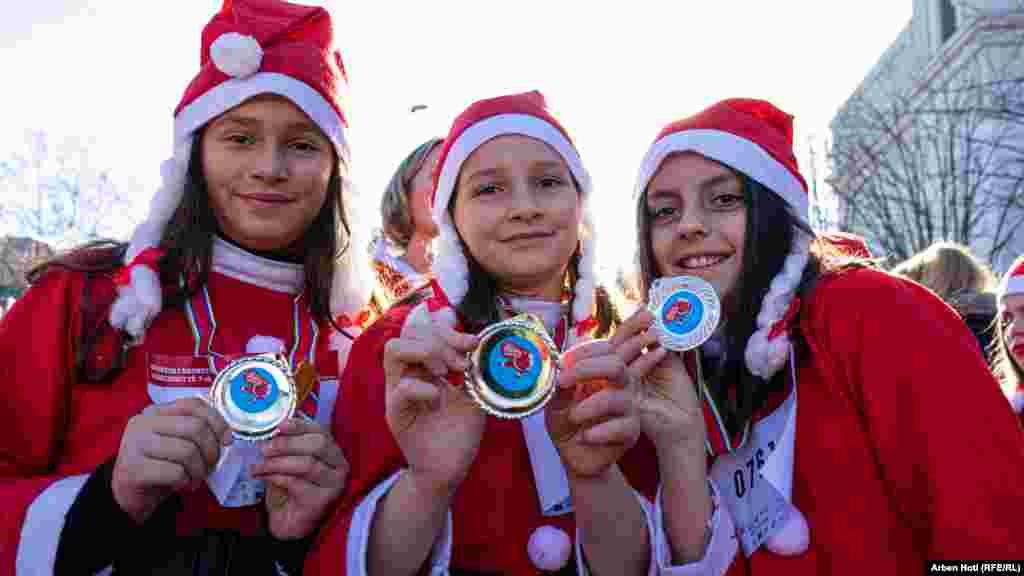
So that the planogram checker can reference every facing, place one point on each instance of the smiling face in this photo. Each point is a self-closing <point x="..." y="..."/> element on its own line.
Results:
<point x="1013" y="322"/>
<point x="697" y="219"/>
<point x="518" y="212"/>
<point x="267" y="167"/>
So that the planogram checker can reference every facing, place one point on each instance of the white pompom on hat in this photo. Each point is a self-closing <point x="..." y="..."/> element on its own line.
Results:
<point x="250" y="47"/>
<point x="755" y="138"/>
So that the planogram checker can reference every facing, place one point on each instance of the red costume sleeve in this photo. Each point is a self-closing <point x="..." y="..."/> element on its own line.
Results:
<point x="944" y="438"/>
<point x="35" y="368"/>
<point x="361" y="429"/>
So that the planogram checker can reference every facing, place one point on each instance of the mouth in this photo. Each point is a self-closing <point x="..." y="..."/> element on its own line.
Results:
<point x="526" y="236"/>
<point x="700" y="261"/>
<point x="266" y="198"/>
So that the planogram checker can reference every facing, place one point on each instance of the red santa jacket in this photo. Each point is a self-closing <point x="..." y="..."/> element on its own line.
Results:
<point x="495" y="510"/>
<point x="57" y="430"/>
<point x="905" y="449"/>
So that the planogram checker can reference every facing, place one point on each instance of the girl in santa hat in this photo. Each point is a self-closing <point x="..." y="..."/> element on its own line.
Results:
<point x="437" y="484"/>
<point x="1008" y="343"/>
<point x="401" y="254"/>
<point x="109" y="424"/>
<point x="849" y="427"/>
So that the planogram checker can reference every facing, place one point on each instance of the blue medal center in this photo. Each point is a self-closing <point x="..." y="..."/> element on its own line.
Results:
<point x="253" y="390"/>
<point x="682" y="313"/>
<point x="514" y="364"/>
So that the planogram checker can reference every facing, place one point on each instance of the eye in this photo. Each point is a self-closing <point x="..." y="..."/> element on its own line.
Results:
<point x="550" y="182"/>
<point x="240" y="138"/>
<point x="727" y="201"/>
<point x="486" y="190"/>
<point x="305" y="146"/>
<point x="662" y="214"/>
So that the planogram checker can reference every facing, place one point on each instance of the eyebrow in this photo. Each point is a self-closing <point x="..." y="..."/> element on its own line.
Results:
<point x="485" y="173"/>
<point x="247" y="121"/>
<point x="704" y="185"/>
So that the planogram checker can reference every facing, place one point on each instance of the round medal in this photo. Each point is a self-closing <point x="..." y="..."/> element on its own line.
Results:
<point x="255" y="394"/>
<point x="512" y="370"/>
<point x="686" y="311"/>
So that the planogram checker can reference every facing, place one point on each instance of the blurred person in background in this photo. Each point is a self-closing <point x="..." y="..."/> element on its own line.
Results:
<point x="401" y="251"/>
<point x="1008" y="346"/>
<point x="962" y="280"/>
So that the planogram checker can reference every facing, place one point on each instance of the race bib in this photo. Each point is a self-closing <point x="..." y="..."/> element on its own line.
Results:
<point x="755" y="480"/>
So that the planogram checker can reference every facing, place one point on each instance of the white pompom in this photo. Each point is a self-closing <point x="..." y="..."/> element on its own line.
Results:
<point x="264" y="345"/>
<point x="549" y="548"/>
<point x="793" y="538"/>
<point x="450" y="268"/>
<point x="236" y="55"/>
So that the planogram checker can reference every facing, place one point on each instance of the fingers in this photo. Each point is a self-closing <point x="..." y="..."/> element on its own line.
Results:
<point x="604" y="405"/>
<point x="194" y="430"/>
<point x="182" y="452"/>
<point x="160" y="472"/>
<point x="609" y="367"/>
<point x="621" y="431"/>
<point x="634" y="325"/>
<point x="296" y="437"/>
<point x="640" y="367"/>
<point x="634" y="347"/>
<point x="435" y="355"/>
<point x="303" y="467"/>
<point x="198" y="408"/>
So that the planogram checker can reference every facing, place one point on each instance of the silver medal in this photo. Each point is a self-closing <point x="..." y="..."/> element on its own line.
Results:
<point x="686" y="311"/>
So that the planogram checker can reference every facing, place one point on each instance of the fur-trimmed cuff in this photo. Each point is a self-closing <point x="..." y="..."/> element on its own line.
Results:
<point x="359" y="534"/>
<point x="720" y="551"/>
<point x="649" y="520"/>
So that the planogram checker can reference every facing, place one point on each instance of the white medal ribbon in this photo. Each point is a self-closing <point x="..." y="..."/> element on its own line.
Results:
<point x="756" y="481"/>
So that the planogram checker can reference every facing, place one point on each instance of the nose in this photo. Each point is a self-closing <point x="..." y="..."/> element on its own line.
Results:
<point x="525" y="204"/>
<point x="270" y="166"/>
<point x="691" y="224"/>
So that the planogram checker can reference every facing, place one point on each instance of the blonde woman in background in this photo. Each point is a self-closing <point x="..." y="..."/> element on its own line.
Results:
<point x="961" y="280"/>
<point x="401" y="252"/>
<point x="1008" y="346"/>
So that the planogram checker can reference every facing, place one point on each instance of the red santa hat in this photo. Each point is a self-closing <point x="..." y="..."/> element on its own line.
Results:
<point x="1013" y="281"/>
<point x="755" y="138"/>
<point x="250" y="47"/>
<point x="524" y="114"/>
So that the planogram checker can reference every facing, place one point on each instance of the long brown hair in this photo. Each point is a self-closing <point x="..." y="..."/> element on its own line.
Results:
<point x="188" y="244"/>
<point x="770" y="230"/>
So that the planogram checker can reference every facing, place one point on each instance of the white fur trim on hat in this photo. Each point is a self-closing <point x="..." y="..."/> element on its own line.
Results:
<point x="450" y="266"/>
<point x="1011" y="285"/>
<point x="735" y="152"/>
<point x="235" y="91"/>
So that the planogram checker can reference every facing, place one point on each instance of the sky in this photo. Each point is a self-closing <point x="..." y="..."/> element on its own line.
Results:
<point x="110" y="73"/>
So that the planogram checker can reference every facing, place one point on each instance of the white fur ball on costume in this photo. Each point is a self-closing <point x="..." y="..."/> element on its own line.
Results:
<point x="236" y="55"/>
<point x="549" y="548"/>
<point x="264" y="345"/>
<point x="793" y="538"/>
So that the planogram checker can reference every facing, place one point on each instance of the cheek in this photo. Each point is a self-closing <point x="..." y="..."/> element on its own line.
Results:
<point x="661" y="249"/>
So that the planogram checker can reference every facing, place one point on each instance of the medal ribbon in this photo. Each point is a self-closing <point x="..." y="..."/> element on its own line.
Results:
<point x="201" y="319"/>
<point x="560" y="331"/>
<point x="718" y="440"/>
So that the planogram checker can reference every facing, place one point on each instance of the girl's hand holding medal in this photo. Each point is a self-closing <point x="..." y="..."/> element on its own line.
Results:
<point x="438" y="426"/>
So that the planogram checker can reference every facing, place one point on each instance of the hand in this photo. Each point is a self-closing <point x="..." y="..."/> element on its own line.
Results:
<point x="437" y="425"/>
<point x="166" y="449"/>
<point x="669" y="405"/>
<point x="592" y="420"/>
<point x="305" y="471"/>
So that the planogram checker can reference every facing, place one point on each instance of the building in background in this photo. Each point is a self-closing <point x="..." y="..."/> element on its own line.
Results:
<point x="931" y="144"/>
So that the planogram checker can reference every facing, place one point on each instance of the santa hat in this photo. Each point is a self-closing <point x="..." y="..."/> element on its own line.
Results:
<point x="755" y="138"/>
<point x="1013" y="281"/>
<point x="250" y="47"/>
<point x="524" y="114"/>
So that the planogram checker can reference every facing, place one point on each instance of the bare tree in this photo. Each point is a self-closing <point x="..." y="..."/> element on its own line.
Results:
<point x="55" y="193"/>
<point x="940" y="157"/>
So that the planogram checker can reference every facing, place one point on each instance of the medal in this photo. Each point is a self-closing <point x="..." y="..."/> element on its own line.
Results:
<point x="255" y="394"/>
<point x="686" y="311"/>
<point x="512" y="370"/>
